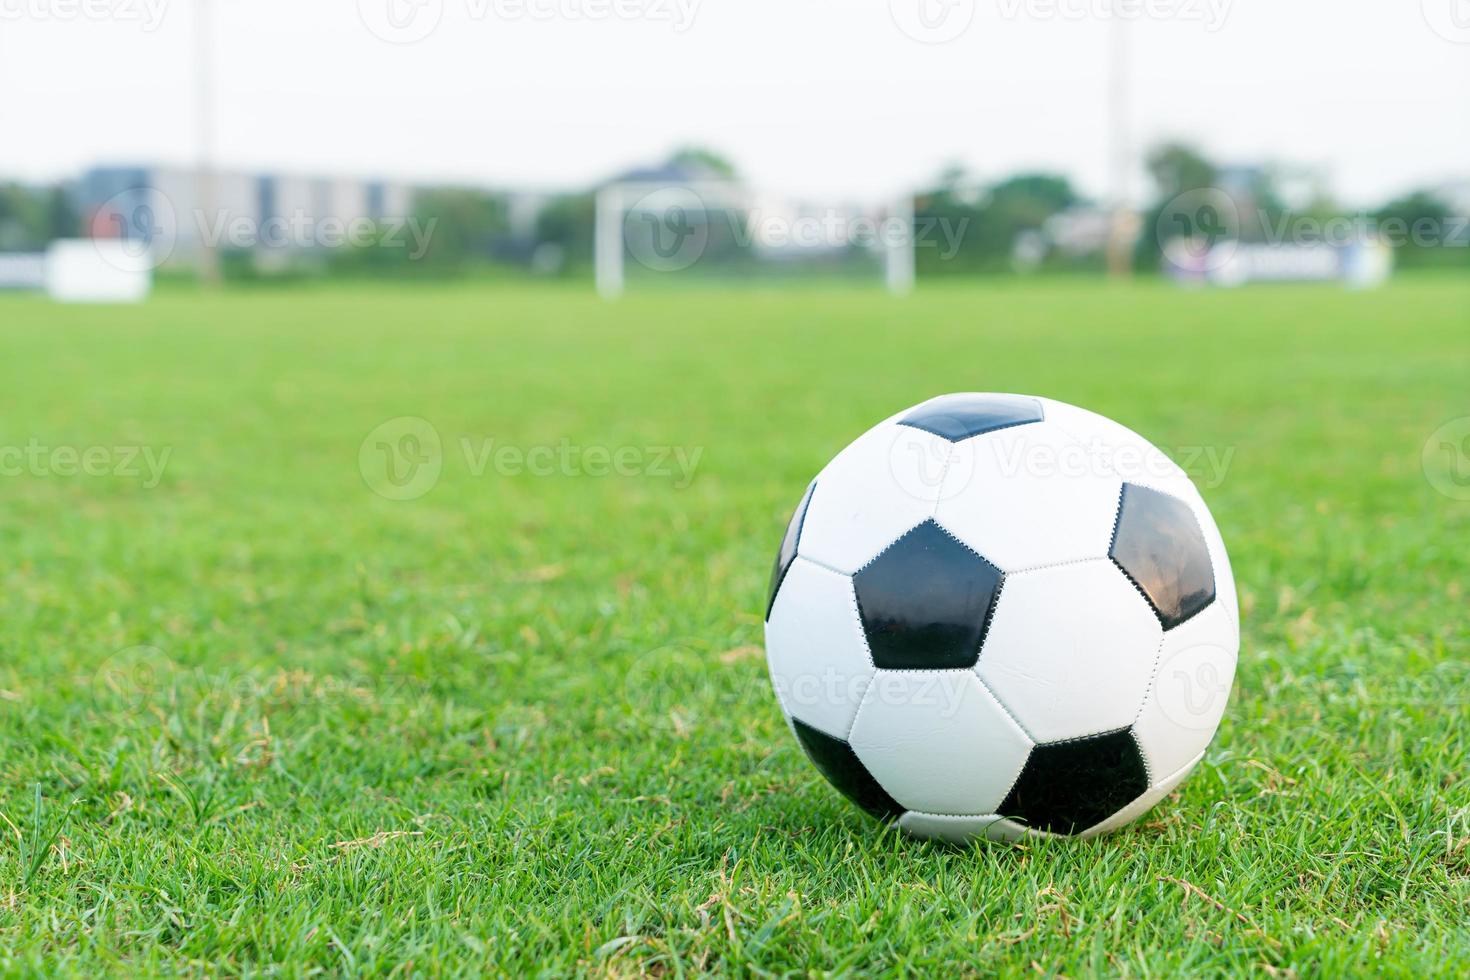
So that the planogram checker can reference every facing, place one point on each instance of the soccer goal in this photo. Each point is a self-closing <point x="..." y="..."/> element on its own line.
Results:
<point x="724" y="232"/>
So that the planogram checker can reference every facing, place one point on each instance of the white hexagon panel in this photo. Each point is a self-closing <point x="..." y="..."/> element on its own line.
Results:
<point x="1071" y="650"/>
<point x="1027" y="496"/>
<point x="876" y="489"/>
<point x="1189" y="690"/>
<point x="1115" y="449"/>
<point x="1133" y="459"/>
<point x="938" y="742"/>
<point x="1225" y="595"/>
<point x="815" y="649"/>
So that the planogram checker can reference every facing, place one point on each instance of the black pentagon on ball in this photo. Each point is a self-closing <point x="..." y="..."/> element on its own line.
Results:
<point x="1159" y="545"/>
<point x="1067" y="787"/>
<point x="957" y="417"/>
<point x="786" y="554"/>
<point x="926" y="601"/>
<point x="836" y="760"/>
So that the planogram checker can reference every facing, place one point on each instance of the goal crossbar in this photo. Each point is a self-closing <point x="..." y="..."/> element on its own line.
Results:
<point x="616" y="202"/>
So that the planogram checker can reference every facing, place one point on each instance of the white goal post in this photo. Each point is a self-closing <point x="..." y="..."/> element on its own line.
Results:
<point x="673" y="228"/>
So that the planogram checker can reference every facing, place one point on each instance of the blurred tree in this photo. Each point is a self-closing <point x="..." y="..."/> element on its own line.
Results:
<point x="1419" y="205"/>
<point x="1425" y="230"/>
<point x="1188" y="201"/>
<point x="466" y="229"/>
<point x="1178" y="167"/>
<point x="567" y="223"/>
<point x="698" y="158"/>
<point x="32" y="216"/>
<point x="986" y="219"/>
<point x="62" y="218"/>
<point x="467" y="224"/>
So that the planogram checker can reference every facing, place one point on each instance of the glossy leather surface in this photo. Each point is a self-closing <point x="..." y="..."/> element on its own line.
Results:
<point x="836" y="760"/>
<point x="1159" y="545"/>
<point x="938" y="741"/>
<point x="786" y="554"/>
<point x="956" y="417"/>
<point x="926" y="601"/>
<point x="815" y="650"/>
<point x="879" y="487"/>
<point x="1068" y="787"/>
<point x="1071" y="650"/>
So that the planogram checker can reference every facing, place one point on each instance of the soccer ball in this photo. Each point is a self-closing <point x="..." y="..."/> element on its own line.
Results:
<point x="999" y="616"/>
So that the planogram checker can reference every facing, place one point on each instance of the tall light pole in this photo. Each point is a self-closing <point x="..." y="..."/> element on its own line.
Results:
<point x="1122" y="225"/>
<point x="205" y="219"/>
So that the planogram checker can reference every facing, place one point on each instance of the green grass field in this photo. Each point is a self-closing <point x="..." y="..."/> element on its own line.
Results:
<point x="256" y="717"/>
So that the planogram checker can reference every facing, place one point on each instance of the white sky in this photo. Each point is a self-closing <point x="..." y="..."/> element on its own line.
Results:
<point x="828" y="95"/>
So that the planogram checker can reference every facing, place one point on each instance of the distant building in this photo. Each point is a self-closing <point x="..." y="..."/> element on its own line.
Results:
<point x="676" y="172"/>
<point x="176" y="210"/>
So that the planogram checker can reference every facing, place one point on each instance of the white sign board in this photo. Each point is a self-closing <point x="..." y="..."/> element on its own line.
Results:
<point x="1359" y="265"/>
<point x="98" y="270"/>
